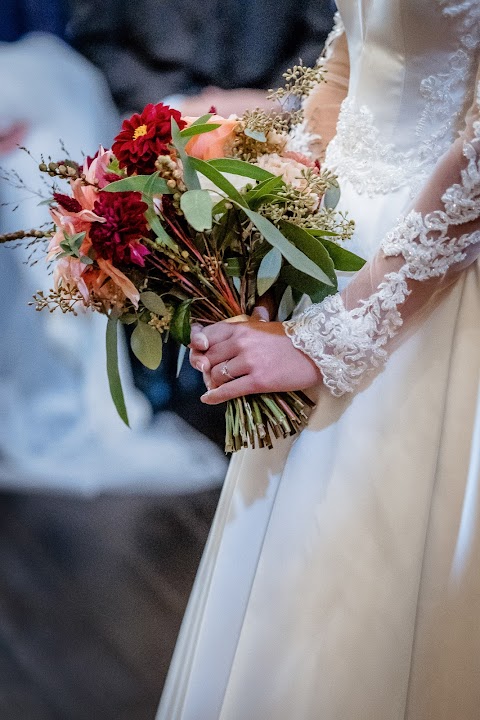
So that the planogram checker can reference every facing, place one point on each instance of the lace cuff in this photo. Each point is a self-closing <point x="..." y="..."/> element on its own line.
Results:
<point x="348" y="335"/>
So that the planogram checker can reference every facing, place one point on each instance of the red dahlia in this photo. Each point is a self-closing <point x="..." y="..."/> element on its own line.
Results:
<point x="118" y="238"/>
<point x="144" y="137"/>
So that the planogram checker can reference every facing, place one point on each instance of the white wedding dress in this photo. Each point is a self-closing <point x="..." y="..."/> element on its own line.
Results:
<point x="341" y="580"/>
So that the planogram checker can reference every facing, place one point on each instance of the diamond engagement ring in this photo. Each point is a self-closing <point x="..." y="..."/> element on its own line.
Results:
<point x="225" y="372"/>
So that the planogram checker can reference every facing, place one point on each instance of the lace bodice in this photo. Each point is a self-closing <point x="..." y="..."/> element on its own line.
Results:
<point x="412" y="68"/>
<point x="415" y="70"/>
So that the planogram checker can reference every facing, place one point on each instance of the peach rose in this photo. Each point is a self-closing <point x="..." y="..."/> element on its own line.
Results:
<point x="214" y="144"/>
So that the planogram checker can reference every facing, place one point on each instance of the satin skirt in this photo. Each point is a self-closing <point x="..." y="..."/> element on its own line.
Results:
<point x="341" y="579"/>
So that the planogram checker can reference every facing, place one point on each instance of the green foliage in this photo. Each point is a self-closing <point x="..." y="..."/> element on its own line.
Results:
<point x="147" y="345"/>
<point x="290" y="252"/>
<point x="145" y="184"/>
<point x="210" y="172"/>
<point x="153" y="302"/>
<point x="240" y="167"/>
<point x="113" y="373"/>
<point x="193" y="130"/>
<point x="196" y="205"/>
<point x="343" y="260"/>
<point x="312" y="247"/>
<point x="180" y="323"/>
<point x="269" y="270"/>
<point x="190" y="177"/>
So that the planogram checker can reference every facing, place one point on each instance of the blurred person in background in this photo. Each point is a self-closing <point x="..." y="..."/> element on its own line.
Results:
<point x="193" y="56"/>
<point x="54" y="399"/>
<point x="92" y="587"/>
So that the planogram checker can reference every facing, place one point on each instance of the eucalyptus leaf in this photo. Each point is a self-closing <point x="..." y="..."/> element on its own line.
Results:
<point x="331" y="197"/>
<point x="163" y="238"/>
<point x="343" y="259"/>
<point x="180" y="323"/>
<point x="210" y="172"/>
<point x="190" y="177"/>
<point x="201" y="120"/>
<point x="266" y="187"/>
<point x="153" y="302"/>
<point x="128" y="318"/>
<point x="311" y="246"/>
<point x="113" y="373"/>
<point x="257" y="135"/>
<point x="306" y="285"/>
<point x="85" y="260"/>
<point x="196" y="205"/>
<point x="291" y="253"/>
<point x="193" y="130"/>
<point x="287" y="305"/>
<point x="269" y="270"/>
<point x="240" y="167"/>
<point x="140" y="183"/>
<point x="147" y="345"/>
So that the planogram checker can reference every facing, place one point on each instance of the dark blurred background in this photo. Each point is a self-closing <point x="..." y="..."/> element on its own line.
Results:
<point x="102" y="528"/>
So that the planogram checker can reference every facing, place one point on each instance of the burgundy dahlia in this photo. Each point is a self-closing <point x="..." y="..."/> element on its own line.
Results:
<point x="144" y="137"/>
<point x="118" y="238"/>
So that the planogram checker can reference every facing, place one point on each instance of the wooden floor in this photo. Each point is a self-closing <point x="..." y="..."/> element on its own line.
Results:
<point x="92" y="593"/>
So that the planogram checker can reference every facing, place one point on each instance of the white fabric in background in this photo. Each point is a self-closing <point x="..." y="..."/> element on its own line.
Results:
<point x="58" y="426"/>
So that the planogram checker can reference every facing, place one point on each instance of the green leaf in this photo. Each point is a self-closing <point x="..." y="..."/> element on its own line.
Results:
<point x="153" y="302"/>
<point x="163" y="238"/>
<point x="257" y="135"/>
<point x="190" y="177"/>
<point x="343" y="260"/>
<point x="207" y="169"/>
<point x="201" y="120"/>
<point x="331" y="197"/>
<point x="264" y="188"/>
<point x="197" y="208"/>
<point x="306" y="285"/>
<point x="269" y="270"/>
<point x="180" y="323"/>
<point x="113" y="373"/>
<point x="145" y="184"/>
<point x="147" y="345"/>
<point x="86" y="260"/>
<point x="193" y="130"/>
<point x="311" y="246"/>
<point x="180" y="358"/>
<point x="294" y="256"/>
<point x="287" y="304"/>
<point x="240" y="167"/>
<point x="128" y="318"/>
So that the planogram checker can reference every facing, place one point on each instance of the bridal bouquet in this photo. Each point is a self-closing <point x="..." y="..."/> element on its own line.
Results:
<point x="187" y="220"/>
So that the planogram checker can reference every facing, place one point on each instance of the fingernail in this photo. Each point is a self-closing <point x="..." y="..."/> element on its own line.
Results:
<point x="204" y="343"/>
<point x="204" y="397"/>
<point x="200" y="366"/>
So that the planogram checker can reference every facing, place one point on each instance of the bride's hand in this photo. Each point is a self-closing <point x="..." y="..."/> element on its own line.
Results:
<point x="249" y="357"/>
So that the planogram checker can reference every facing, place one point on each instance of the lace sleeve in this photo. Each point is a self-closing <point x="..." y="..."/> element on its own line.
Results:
<point x="351" y="333"/>
<point x="323" y="104"/>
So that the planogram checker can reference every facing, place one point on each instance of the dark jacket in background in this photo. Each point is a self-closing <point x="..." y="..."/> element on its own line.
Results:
<point x="149" y="49"/>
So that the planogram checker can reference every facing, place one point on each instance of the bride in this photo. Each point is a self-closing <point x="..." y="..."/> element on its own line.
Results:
<point x="341" y="578"/>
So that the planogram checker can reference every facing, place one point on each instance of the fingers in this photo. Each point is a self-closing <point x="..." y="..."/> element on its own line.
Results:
<point x="229" y="390"/>
<point x="198" y="339"/>
<point x="199" y="361"/>
<point x="228" y="371"/>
